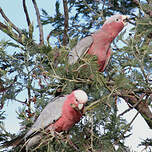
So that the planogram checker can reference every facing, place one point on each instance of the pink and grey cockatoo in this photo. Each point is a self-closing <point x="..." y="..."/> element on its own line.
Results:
<point x="99" y="43"/>
<point x="59" y="115"/>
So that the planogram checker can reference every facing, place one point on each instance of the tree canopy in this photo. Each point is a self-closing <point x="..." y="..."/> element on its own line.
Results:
<point x="41" y="71"/>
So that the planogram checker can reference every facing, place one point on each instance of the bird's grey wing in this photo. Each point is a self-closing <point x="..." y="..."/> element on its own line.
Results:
<point x="80" y="49"/>
<point x="50" y="113"/>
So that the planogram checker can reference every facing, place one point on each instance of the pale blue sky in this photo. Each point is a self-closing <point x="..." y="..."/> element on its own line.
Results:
<point x="13" y="9"/>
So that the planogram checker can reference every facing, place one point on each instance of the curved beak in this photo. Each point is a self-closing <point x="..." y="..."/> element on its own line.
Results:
<point x="125" y="20"/>
<point x="80" y="106"/>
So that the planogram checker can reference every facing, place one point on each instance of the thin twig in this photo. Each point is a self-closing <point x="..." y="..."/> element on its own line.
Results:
<point x="48" y="37"/>
<point x="91" y="8"/>
<point x="72" y="144"/>
<point x="93" y="105"/>
<point x="92" y="133"/>
<point x="23" y="102"/>
<point x="102" y="10"/>
<point x="104" y="83"/>
<point x="116" y="142"/>
<point x="39" y="23"/>
<point x="3" y="129"/>
<point x="141" y="65"/>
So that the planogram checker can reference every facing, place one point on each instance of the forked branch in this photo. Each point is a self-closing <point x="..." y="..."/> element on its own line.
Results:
<point x="140" y="105"/>
<point x="12" y="34"/>
<point x="10" y="23"/>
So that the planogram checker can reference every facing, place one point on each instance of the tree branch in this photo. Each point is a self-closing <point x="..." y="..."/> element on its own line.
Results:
<point x="66" y="24"/>
<point x="121" y="136"/>
<point x="28" y="19"/>
<point x="26" y="13"/>
<point x="134" y="106"/>
<point x="142" y="106"/>
<point x="48" y="37"/>
<point x="12" y="34"/>
<point x="9" y="22"/>
<point x="39" y="22"/>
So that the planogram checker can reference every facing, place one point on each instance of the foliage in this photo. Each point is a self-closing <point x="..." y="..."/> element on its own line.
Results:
<point x="42" y="72"/>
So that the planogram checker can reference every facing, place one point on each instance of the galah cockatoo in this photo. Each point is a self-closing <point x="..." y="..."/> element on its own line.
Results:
<point x="59" y="115"/>
<point x="98" y="43"/>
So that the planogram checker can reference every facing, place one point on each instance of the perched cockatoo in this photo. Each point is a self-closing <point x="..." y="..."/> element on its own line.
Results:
<point x="99" y="43"/>
<point x="59" y="115"/>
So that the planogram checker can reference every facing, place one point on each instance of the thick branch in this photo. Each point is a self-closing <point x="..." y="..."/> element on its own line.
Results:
<point x="66" y="24"/>
<point x="142" y="107"/>
<point x="9" y="22"/>
<point x="39" y="22"/>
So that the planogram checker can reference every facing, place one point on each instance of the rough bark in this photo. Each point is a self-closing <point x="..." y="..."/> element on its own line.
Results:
<point x="139" y="104"/>
<point x="66" y="24"/>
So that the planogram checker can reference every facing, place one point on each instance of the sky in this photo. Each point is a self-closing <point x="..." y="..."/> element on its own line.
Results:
<point x="13" y="9"/>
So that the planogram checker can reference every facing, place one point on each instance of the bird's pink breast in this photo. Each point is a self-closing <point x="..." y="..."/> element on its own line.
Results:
<point x="100" y="48"/>
<point x="64" y="124"/>
<point x="102" y="40"/>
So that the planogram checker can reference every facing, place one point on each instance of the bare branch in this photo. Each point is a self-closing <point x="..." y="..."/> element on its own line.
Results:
<point x="28" y="19"/>
<point x="22" y="102"/>
<point x="39" y="22"/>
<point x="26" y="13"/>
<point x="66" y="24"/>
<point x="9" y="22"/>
<point x="20" y="37"/>
<point x="13" y="35"/>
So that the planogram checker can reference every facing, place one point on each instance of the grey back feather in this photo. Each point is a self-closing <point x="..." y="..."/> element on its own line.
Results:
<point x="50" y="113"/>
<point x="80" y="49"/>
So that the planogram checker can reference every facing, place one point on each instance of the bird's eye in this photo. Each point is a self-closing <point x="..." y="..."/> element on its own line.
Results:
<point x="117" y="19"/>
<point x="77" y="100"/>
